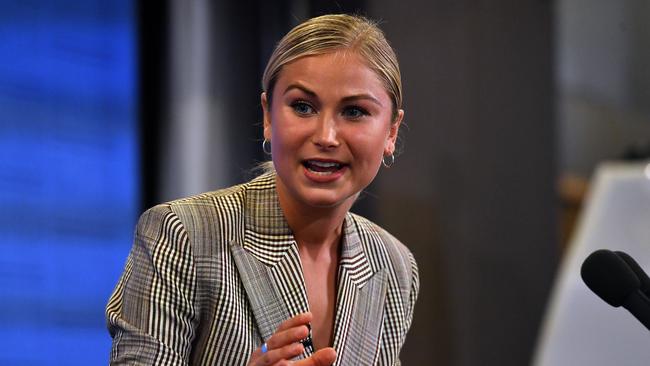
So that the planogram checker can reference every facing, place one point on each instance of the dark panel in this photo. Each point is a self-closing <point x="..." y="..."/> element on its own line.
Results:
<point x="153" y="92"/>
<point x="477" y="175"/>
<point x="321" y="7"/>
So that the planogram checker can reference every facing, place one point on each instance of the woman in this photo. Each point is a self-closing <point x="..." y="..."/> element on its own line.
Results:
<point x="278" y="269"/>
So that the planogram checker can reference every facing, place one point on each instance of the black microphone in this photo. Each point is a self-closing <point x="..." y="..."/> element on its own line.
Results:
<point x="611" y="278"/>
<point x="636" y="268"/>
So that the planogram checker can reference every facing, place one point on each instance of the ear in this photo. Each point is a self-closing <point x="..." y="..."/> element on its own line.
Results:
<point x="391" y="140"/>
<point x="266" y="109"/>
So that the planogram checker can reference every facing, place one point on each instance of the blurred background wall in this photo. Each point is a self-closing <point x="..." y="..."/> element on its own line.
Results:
<point x="69" y="174"/>
<point x="107" y="108"/>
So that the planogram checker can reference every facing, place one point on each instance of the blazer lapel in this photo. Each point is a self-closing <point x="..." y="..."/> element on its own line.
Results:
<point x="360" y="302"/>
<point x="268" y="260"/>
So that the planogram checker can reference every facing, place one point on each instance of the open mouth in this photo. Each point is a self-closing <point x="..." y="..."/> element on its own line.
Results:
<point x="322" y="167"/>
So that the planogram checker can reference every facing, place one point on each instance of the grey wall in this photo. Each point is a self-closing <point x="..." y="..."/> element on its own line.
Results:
<point x="603" y="81"/>
<point x="212" y="117"/>
<point x="473" y="193"/>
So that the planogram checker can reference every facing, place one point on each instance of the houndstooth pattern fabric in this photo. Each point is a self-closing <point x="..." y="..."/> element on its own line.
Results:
<point x="210" y="277"/>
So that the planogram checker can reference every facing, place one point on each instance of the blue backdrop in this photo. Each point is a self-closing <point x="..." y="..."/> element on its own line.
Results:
<point x="68" y="174"/>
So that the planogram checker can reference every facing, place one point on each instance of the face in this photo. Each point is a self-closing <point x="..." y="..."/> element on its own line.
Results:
<point x="329" y="124"/>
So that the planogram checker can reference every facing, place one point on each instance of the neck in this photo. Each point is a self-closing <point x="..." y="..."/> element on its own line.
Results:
<point x="318" y="228"/>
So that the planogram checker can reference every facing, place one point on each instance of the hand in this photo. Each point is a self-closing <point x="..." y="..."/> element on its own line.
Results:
<point x="285" y="344"/>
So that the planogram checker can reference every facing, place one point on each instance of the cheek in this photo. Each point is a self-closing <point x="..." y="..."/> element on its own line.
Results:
<point x="286" y="132"/>
<point x="369" y="148"/>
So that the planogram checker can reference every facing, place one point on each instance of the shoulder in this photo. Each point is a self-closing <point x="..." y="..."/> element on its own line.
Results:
<point x="385" y="248"/>
<point x="386" y="253"/>
<point x="209" y="200"/>
<point x="187" y="209"/>
<point x="228" y="199"/>
<point x="387" y="240"/>
<point x="217" y="202"/>
<point x="208" y="218"/>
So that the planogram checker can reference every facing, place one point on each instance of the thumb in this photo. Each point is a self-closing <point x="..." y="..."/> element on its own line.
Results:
<point x="324" y="357"/>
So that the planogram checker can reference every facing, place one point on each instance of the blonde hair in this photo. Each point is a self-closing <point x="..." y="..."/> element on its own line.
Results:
<point x="330" y="33"/>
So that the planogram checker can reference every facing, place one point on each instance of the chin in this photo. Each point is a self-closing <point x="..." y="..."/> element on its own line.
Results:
<point x="306" y="193"/>
<point x="324" y="199"/>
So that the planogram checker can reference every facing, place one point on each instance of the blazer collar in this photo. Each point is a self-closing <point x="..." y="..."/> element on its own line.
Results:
<point x="269" y="265"/>
<point x="268" y="237"/>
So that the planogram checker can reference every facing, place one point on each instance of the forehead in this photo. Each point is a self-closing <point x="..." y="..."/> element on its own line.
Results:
<point x="341" y="72"/>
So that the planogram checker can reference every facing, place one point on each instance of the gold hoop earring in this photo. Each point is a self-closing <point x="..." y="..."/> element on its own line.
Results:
<point x="388" y="161"/>
<point x="266" y="147"/>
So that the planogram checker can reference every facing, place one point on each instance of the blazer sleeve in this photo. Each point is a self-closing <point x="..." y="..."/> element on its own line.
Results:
<point x="151" y="314"/>
<point x="414" y="291"/>
<point x="412" y="298"/>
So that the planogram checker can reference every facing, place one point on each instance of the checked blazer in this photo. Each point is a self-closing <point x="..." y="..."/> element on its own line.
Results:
<point x="210" y="277"/>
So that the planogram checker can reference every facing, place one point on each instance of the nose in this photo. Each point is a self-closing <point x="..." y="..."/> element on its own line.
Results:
<point x="325" y="135"/>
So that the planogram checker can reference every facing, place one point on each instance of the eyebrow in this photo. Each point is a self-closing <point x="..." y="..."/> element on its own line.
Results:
<point x="300" y="87"/>
<point x="345" y="99"/>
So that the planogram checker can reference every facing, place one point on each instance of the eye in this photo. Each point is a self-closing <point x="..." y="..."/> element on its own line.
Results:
<point x="354" y="112"/>
<point x="302" y="108"/>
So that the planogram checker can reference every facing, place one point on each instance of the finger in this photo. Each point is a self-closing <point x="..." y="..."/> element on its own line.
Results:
<point x="289" y="332"/>
<point x="300" y="319"/>
<point x="288" y="336"/>
<point x="322" y="357"/>
<point x="277" y="356"/>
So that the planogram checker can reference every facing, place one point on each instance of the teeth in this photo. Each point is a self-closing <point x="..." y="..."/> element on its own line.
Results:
<point x="320" y="173"/>
<point x="322" y="167"/>
<point x="322" y="164"/>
